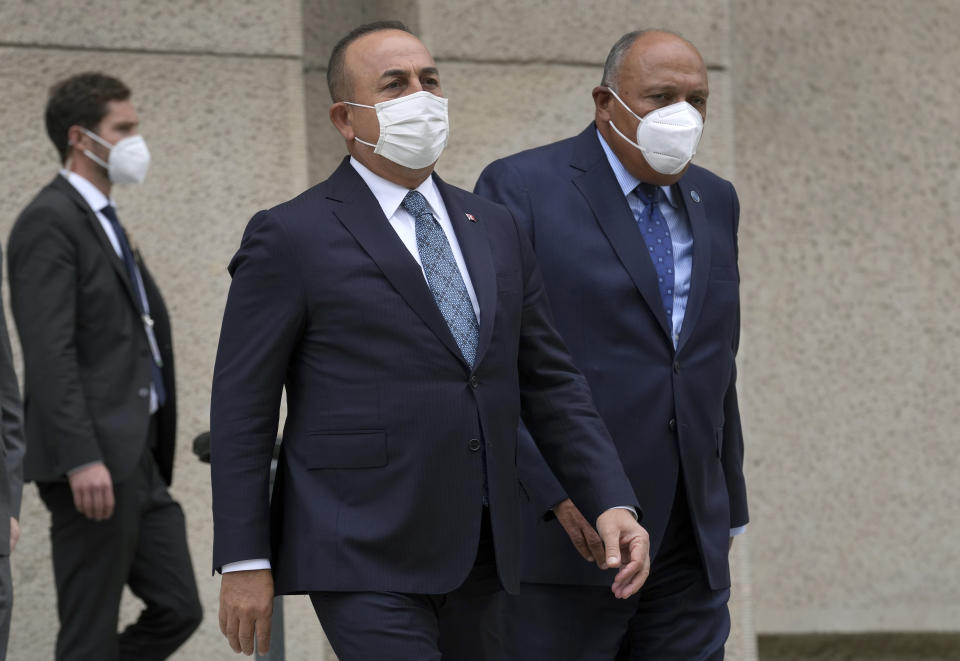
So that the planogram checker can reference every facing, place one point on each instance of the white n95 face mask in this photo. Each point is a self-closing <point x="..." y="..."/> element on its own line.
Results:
<point x="667" y="137"/>
<point x="413" y="129"/>
<point x="128" y="161"/>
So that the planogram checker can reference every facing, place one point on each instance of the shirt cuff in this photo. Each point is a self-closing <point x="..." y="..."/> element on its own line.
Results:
<point x="82" y="466"/>
<point x="632" y="510"/>
<point x="245" y="565"/>
<point x="737" y="531"/>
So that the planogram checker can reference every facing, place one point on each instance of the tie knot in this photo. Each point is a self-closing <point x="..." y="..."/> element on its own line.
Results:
<point x="110" y="213"/>
<point x="415" y="204"/>
<point x="649" y="193"/>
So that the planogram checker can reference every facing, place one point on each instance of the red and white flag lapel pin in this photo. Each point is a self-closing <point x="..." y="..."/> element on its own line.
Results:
<point x="471" y="217"/>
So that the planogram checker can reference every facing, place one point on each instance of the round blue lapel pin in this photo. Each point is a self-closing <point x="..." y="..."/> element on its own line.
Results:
<point x="695" y="196"/>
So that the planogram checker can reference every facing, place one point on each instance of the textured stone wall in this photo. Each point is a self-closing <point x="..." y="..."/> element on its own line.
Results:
<point x="848" y="167"/>
<point x="219" y="89"/>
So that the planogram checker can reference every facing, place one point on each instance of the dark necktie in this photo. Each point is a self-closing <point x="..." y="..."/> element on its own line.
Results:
<point x="443" y="277"/>
<point x="143" y="307"/>
<point x="656" y="234"/>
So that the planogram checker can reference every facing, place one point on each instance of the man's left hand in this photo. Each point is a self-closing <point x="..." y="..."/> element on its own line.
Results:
<point x="627" y="546"/>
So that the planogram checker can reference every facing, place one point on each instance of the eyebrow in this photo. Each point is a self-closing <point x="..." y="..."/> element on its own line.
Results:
<point x="390" y="73"/>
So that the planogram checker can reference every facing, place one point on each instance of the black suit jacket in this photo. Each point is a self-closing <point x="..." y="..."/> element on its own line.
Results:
<point x="666" y="408"/>
<point x="85" y="351"/>
<point x="380" y="482"/>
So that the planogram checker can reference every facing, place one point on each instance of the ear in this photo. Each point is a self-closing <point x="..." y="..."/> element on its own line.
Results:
<point x="340" y="116"/>
<point x="601" y="101"/>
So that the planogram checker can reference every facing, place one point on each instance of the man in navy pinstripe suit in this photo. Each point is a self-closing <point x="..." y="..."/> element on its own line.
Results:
<point x="407" y="321"/>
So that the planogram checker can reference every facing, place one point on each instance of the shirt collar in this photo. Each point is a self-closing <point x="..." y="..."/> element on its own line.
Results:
<point x="90" y="193"/>
<point x="626" y="180"/>
<point x="390" y="195"/>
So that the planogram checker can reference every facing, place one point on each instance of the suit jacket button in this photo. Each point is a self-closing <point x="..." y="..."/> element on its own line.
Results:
<point x="672" y="425"/>
<point x="143" y="392"/>
<point x="676" y="367"/>
<point x="474" y="382"/>
<point x="474" y="444"/>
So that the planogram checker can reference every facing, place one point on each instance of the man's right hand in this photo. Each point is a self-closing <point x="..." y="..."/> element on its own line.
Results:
<point x="585" y="539"/>
<point x="246" y="606"/>
<point x="92" y="491"/>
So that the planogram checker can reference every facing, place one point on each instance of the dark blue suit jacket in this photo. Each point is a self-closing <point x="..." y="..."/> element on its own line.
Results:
<point x="380" y="481"/>
<point x="664" y="407"/>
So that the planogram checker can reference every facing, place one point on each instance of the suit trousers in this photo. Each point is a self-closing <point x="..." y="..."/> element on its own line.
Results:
<point x="674" y="617"/>
<point x="143" y="545"/>
<point x="463" y="625"/>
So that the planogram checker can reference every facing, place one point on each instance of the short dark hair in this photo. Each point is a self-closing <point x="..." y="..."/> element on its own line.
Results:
<point x="80" y="100"/>
<point x="336" y="76"/>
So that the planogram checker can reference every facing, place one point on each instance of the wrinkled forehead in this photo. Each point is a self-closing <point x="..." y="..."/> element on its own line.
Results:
<point x="374" y="54"/>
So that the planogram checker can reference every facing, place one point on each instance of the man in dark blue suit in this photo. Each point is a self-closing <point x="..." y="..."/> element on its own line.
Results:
<point x="407" y="322"/>
<point x="638" y="251"/>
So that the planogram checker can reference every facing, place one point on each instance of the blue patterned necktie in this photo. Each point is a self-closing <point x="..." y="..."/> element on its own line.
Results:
<point x="656" y="234"/>
<point x="133" y="271"/>
<point x="443" y="277"/>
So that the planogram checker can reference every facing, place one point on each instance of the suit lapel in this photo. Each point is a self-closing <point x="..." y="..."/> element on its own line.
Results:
<point x="599" y="186"/>
<point x="116" y="262"/>
<point x="694" y="204"/>
<point x="476" y="253"/>
<point x="363" y="217"/>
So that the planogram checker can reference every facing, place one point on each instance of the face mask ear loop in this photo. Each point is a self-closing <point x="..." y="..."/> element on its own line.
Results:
<point x="361" y="105"/>
<point x="614" y="126"/>
<point x="93" y="157"/>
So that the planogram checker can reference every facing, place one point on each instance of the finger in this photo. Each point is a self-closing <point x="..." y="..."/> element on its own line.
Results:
<point x="96" y="503"/>
<point x="223" y="618"/>
<point x="611" y="545"/>
<point x="108" y="502"/>
<point x="85" y="505"/>
<point x="580" y="544"/>
<point x="596" y="546"/>
<point x="630" y="579"/>
<point x="263" y="635"/>
<point x="245" y="634"/>
<point x="232" y="633"/>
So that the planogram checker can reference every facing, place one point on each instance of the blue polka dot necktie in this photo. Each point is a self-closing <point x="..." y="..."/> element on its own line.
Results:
<point x="443" y="277"/>
<point x="656" y="234"/>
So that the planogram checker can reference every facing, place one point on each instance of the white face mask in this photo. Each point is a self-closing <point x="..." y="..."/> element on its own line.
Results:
<point x="128" y="161"/>
<point x="668" y="136"/>
<point x="413" y="129"/>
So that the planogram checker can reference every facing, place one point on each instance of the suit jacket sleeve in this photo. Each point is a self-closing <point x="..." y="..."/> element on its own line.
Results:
<point x="732" y="454"/>
<point x="262" y="323"/>
<point x="43" y="286"/>
<point x="558" y="409"/>
<point x="11" y="419"/>
<point x="501" y="183"/>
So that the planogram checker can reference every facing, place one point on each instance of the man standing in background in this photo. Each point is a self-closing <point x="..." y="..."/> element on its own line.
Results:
<point x="11" y="474"/>
<point x="638" y="251"/>
<point x="99" y="393"/>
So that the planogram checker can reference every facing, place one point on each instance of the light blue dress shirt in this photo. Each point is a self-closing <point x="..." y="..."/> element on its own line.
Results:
<point x="680" y="234"/>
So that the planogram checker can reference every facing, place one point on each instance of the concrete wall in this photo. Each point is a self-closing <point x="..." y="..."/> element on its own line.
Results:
<point x="848" y="167"/>
<point x="219" y="88"/>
